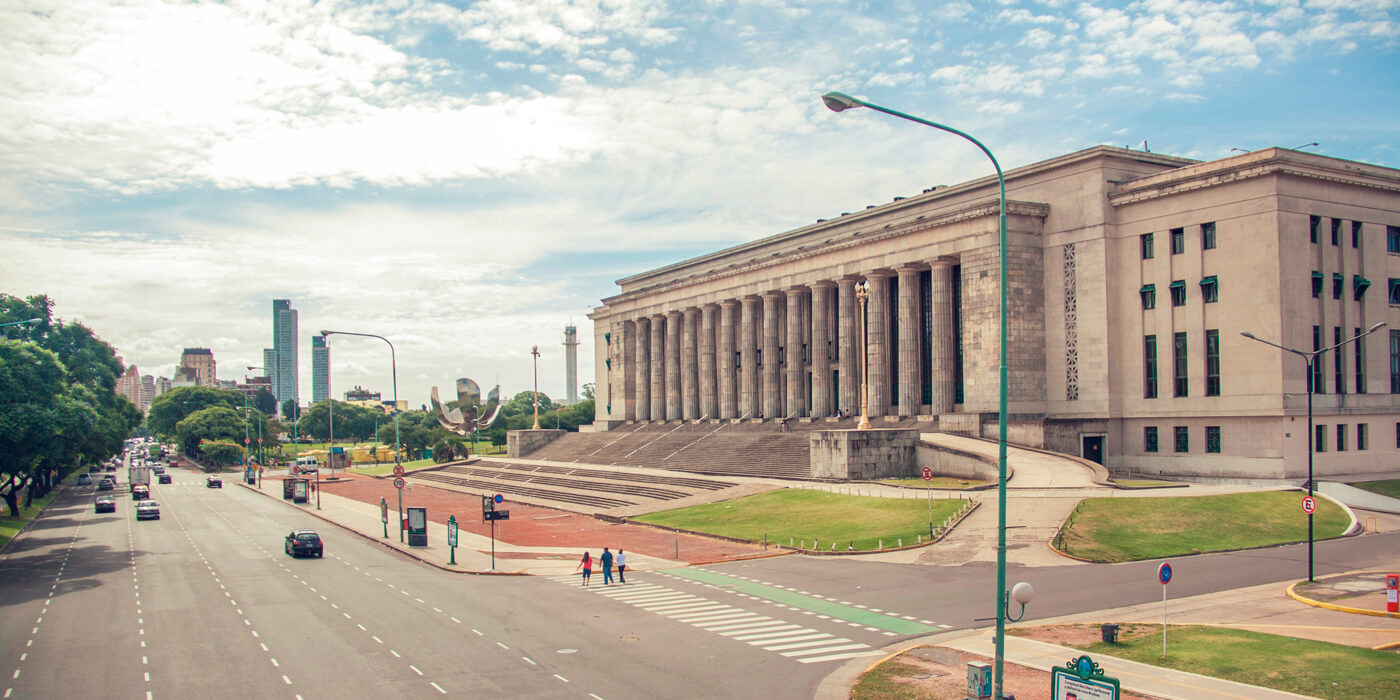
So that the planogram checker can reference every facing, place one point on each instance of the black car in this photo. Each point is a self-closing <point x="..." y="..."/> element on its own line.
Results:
<point x="214" y="482"/>
<point x="162" y="478"/>
<point x="107" y="483"/>
<point x="104" y="504"/>
<point x="301" y="542"/>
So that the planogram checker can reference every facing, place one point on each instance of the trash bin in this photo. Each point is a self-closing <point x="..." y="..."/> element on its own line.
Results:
<point x="1109" y="632"/>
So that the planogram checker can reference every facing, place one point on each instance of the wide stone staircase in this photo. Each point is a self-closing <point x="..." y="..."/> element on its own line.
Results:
<point x="577" y="486"/>
<point x="729" y="449"/>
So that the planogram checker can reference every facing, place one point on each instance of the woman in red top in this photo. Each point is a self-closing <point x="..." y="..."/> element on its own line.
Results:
<point x="587" y="565"/>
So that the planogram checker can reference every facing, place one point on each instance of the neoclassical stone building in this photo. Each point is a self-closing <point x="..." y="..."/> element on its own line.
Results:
<point x="1131" y="276"/>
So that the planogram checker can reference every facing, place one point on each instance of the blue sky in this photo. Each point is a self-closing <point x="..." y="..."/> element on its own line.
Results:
<point x="468" y="177"/>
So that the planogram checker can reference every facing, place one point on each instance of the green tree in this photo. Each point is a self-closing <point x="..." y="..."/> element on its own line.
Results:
<point x="221" y="451"/>
<point x="216" y="423"/>
<point x="264" y="401"/>
<point x="172" y="407"/>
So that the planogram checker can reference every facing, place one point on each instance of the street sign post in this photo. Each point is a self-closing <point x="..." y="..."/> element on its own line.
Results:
<point x="452" y="539"/>
<point x="398" y="482"/>
<point x="928" y="487"/>
<point x="398" y="470"/>
<point x="398" y="486"/>
<point x="1164" y="575"/>
<point x="491" y="515"/>
<point x="384" y="515"/>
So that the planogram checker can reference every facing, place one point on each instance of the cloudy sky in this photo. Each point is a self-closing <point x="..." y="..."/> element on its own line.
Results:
<point x="468" y="177"/>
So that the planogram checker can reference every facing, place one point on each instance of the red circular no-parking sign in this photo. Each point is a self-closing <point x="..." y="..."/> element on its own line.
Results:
<point x="928" y="474"/>
<point x="1309" y="505"/>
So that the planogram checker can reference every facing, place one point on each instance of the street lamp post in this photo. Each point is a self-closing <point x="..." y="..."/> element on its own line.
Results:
<point x="394" y="366"/>
<point x="535" y="351"/>
<point x="839" y="102"/>
<point x="245" y="429"/>
<point x="17" y="323"/>
<point x="862" y="292"/>
<point x="1310" y="359"/>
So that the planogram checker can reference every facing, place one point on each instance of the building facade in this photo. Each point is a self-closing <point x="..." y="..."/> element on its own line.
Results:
<point x="129" y="385"/>
<point x="320" y="369"/>
<point x="1131" y="277"/>
<point x="284" y="352"/>
<point x="200" y="363"/>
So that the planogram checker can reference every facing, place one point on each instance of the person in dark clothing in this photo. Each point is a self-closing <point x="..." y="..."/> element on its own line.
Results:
<point x="607" y="560"/>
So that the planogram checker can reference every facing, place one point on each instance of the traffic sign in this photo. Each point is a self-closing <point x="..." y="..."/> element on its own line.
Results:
<point x="1164" y="573"/>
<point x="383" y="510"/>
<point x="1309" y="505"/>
<point x="398" y="482"/>
<point x="398" y="470"/>
<point x="495" y="515"/>
<point x="499" y="498"/>
<point x="928" y="474"/>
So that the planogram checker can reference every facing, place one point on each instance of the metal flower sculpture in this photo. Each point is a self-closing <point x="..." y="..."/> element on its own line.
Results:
<point x="471" y="414"/>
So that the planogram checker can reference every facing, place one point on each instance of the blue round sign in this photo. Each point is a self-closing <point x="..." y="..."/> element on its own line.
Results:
<point x="1164" y="573"/>
<point x="499" y="498"/>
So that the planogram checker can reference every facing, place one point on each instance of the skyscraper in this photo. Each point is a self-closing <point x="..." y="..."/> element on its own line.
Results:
<point x="284" y="348"/>
<point x="320" y="369"/>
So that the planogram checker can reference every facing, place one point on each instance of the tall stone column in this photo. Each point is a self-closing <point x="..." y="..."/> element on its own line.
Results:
<point x="673" y="365"/>
<point x="911" y="344"/>
<point x="626" y="372"/>
<point x="821" y="362"/>
<point x="772" y="379"/>
<point x="690" y="370"/>
<point x="795" y="403"/>
<point x="848" y="346"/>
<point x="709" y="397"/>
<point x="617" y="387"/>
<point x="750" y="388"/>
<point x="641" y="365"/>
<point x="656" y="362"/>
<point x="877" y="348"/>
<point x="724" y="359"/>
<point x="943" y="344"/>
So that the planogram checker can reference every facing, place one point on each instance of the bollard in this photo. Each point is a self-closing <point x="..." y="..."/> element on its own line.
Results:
<point x="833" y="546"/>
<point x="919" y="539"/>
<point x="881" y="545"/>
<point x="678" y="549"/>
<point x="789" y="541"/>
<point x="765" y="540"/>
<point x="901" y="543"/>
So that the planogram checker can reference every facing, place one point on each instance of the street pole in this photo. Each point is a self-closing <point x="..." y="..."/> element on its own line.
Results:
<point x="838" y="102"/>
<point x="1310" y="360"/>
<point x="394" y="364"/>
<point x="535" y="352"/>
<point x="861" y="294"/>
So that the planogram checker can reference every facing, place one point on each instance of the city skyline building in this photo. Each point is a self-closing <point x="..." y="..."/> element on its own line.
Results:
<point x="284" y="347"/>
<point x="320" y="369"/>
<point x="200" y="362"/>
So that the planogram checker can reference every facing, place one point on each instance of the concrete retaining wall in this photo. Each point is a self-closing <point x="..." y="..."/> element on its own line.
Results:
<point x="863" y="454"/>
<point x="522" y="442"/>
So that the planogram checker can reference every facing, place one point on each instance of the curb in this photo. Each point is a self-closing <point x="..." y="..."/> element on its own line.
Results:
<point x="1295" y="595"/>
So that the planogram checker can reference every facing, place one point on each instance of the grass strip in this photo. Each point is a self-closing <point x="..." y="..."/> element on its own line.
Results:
<point x="880" y="683"/>
<point x="1389" y="488"/>
<point x="1132" y="529"/>
<point x="938" y="482"/>
<point x="9" y="527"/>
<point x="804" y="517"/>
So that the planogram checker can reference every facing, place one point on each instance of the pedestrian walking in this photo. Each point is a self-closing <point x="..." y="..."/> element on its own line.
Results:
<point x="621" y="566"/>
<point x="607" y="560"/>
<point x="587" y="565"/>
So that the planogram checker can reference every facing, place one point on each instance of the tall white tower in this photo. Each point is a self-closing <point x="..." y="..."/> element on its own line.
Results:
<point x="571" y="364"/>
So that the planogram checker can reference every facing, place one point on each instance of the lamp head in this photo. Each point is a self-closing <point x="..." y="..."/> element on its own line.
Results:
<point x="326" y="333"/>
<point x="1022" y="593"/>
<point x="839" y="101"/>
<point x="1249" y="335"/>
<point x="1376" y="327"/>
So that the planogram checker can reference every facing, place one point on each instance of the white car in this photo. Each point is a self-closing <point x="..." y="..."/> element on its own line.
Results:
<point x="147" y="510"/>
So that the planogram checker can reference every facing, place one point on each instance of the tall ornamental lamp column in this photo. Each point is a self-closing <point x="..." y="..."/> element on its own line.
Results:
<point x="535" y="351"/>
<point x="1310" y="360"/>
<point x="245" y="429"/>
<point x="862" y="293"/>
<point x="839" y="102"/>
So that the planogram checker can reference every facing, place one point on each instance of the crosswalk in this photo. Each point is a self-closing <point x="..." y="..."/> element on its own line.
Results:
<point x="788" y="639"/>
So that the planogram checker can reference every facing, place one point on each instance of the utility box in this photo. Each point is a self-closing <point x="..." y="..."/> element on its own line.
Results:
<point x="979" y="680"/>
<point x="417" y="527"/>
<point x="1392" y="593"/>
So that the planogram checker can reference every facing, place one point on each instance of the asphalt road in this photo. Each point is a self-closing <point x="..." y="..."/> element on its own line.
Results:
<point x="205" y="603"/>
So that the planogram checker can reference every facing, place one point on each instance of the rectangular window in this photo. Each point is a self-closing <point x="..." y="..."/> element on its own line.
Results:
<point x="1213" y="439"/>
<point x="1336" y="231"/>
<point x="1212" y="363"/>
<point x="1317" y="284"/>
<point x="1395" y="362"/>
<point x="1317" y="387"/>
<point x="1356" y="234"/>
<point x="1146" y="241"/>
<point x="1210" y="290"/>
<point x="1314" y="223"/>
<point x="1208" y="235"/>
<point x="1341" y="437"/>
<point x="1337" y="280"/>
<point x="1183" y="438"/>
<point x="1392" y="239"/>
<point x="1179" y="293"/>
<point x="1338" y="381"/>
<point x="1178" y="241"/>
<point x="1361" y="436"/>
<point x="1149" y="439"/>
<point x="1357" y="357"/>
<point x="1319" y="438"/>
<point x="1149" y="365"/>
<point x="1394" y="285"/>
<point x="1149" y="296"/>
<point x="1179" y="385"/>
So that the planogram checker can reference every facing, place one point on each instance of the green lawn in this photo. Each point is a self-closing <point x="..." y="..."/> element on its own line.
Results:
<point x="388" y="467"/>
<point x="938" y="482"/>
<point x="1130" y="529"/>
<point x="1385" y="488"/>
<point x="1318" y="669"/>
<point x="803" y="516"/>
<point x="9" y="527"/>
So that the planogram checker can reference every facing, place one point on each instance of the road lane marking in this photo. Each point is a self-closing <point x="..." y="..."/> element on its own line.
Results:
<point x="396" y="654"/>
<point x="561" y="678"/>
<point x="502" y="645"/>
<point x="287" y="680"/>
<point x="528" y="660"/>
<point x="415" y="669"/>
<point x="439" y="688"/>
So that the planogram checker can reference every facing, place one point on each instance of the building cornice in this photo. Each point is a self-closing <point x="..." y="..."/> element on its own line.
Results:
<point x="1262" y="163"/>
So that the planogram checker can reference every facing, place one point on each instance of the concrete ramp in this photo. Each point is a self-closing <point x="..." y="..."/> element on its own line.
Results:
<point x="1359" y="498"/>
<point x="1029" y="469"/>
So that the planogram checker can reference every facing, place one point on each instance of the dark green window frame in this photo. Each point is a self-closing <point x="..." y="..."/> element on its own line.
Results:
<point x="1208" y="235"/>
<point x="1181" y="438"/>
<point x="1314" y="223"/>
<point x="1210" y="290"/>
<point x="1359" y="285"/>
<point x="1392" y="239"/>
<point x="1149" y="367"/>
<point x="1178" y="290"/>
<point x="1180" y="385"/>
<point x="1178" y="238"/>
<point x="1316" y="284"/>
<point x="1213" y="362"/>
<point x="1213" y="439"/>
<point x="1336" y="231"/>
<point x="1393" y="286"/>
<point x="1337" y="280"/>
<point x="1145" y="241"/>
<point x="1149" y="296"/>
<point x="1149" y="438"/>
<point x="1356" y="234"/>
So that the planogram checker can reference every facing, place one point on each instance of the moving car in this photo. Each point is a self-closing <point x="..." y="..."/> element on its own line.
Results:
<point x="106" y="484"/>
<point x="104" y="504"/>
<point x="84" y="480"/>
<point x="147" y="510"/>
<point x="162" y="478"/>
<point x="140" y="492"/>
<point x="214" y="482"/>
<point x="301" y="542"/>
<point x="158" y="469"/>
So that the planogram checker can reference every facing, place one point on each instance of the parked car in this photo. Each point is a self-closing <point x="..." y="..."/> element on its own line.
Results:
<point x="107" y="483"/>
<point x="301" y="542"/>
<point x="84" y="480"/>
<point x="214" y="482"/>
<point x="162" y="478"/>
<point x="104" y="504"/>
<point x="147" y="510"/>
<point x="140" y="492"/>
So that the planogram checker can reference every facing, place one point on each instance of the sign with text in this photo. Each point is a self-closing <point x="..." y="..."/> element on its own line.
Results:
<point x="1082" y="679"/>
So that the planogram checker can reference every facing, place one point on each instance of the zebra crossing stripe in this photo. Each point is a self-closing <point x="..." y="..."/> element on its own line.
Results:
<point x="758" y="620"/>
<point x="707" y="615"/>
<point x="803" y="644"/>
<point x="843" y="647"/>
<point x="788" y="631"/>
<point x="772" y="627"/>
<point x="838" y="657"/>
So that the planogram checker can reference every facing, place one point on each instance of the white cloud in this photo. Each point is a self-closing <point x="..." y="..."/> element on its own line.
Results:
<point x="1036" y="38"/>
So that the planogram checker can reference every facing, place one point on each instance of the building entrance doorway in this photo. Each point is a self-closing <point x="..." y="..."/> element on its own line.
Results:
<point x="1092" y="448"/>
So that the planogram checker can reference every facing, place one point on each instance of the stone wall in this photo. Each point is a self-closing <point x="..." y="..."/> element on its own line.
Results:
<point x="863" y="454"/>
<point x="522" y="442"/>
<point x="945" y="461"/>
